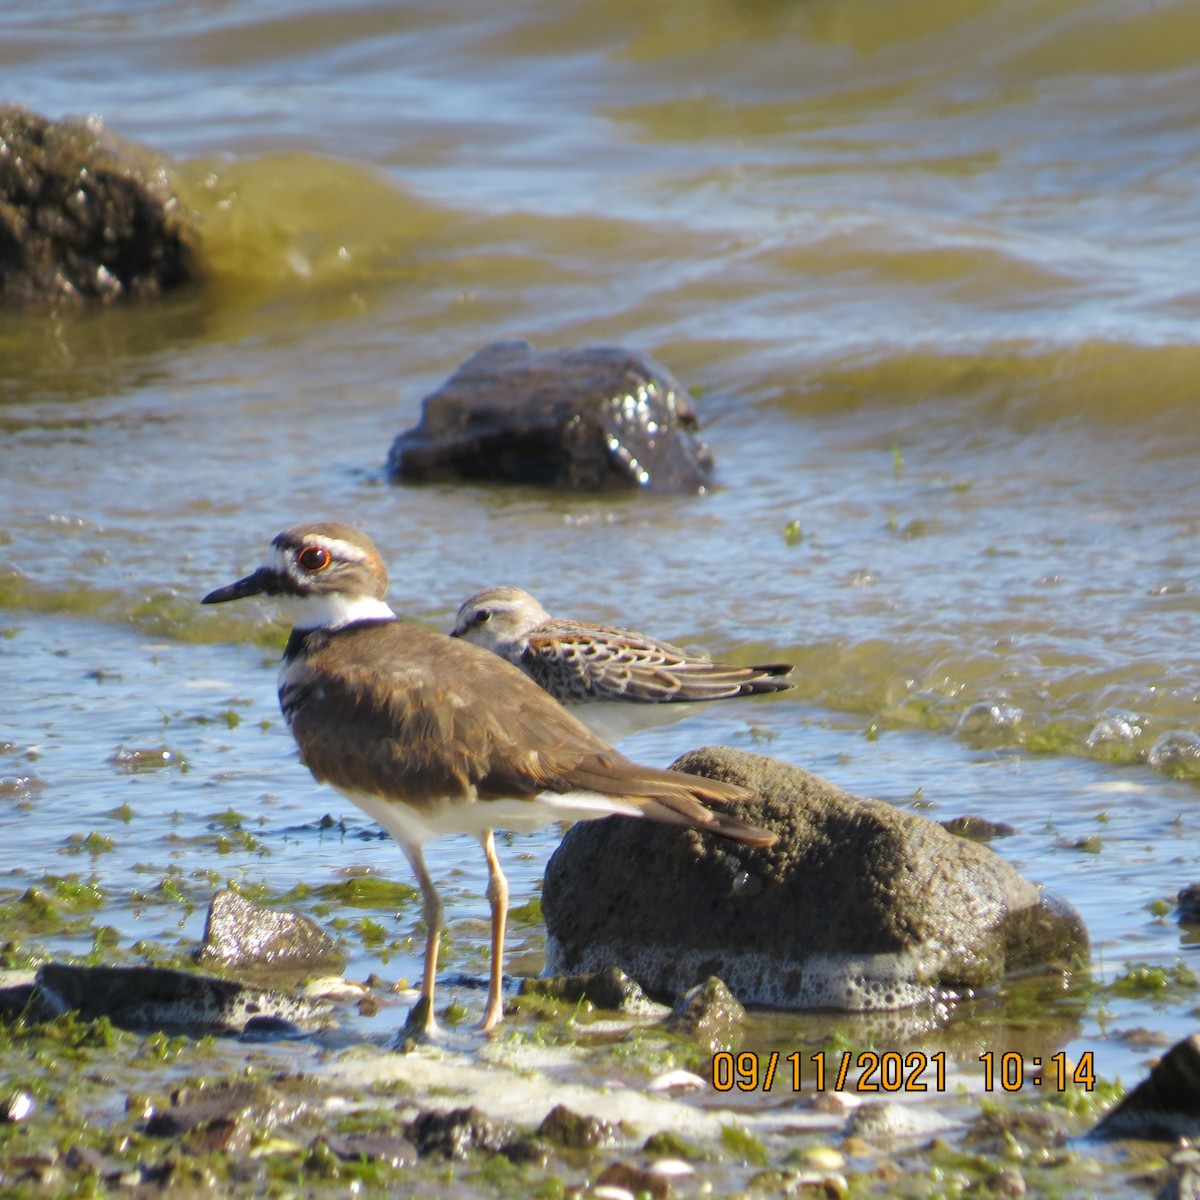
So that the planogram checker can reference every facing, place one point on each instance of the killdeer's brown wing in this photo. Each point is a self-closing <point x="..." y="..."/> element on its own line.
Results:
<point x="404" y="713"/>
<point x="577" y="660"/>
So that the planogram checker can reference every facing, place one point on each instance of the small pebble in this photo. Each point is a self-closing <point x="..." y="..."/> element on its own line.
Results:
<point x="824" y="1157"/>
<point x="17" y="1107"/>
<point x="671" y="1167"/>
<point x="334" y="987"/>
<point x="675" y="1079"/>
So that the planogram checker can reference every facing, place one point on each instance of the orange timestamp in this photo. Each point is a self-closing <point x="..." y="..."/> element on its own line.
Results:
<point x="891" y="1071"/>
<point x="866" y="1071"/>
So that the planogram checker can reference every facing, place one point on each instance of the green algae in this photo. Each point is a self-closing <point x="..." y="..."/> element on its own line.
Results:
<point x="41" y="909"/>
<point x="91" y="843"/>
<point x="230" y="819"/>
<point x="366" y="891"/>
<point x="1140" y="981"/>
<point x="744" y="1146"/>
<point x="75" y="893"/>
<point x="64" y="1034"/>
<point x="529" y="913"/>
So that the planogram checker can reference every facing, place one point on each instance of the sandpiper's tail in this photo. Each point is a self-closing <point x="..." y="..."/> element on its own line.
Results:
<point x="702" y="680"/>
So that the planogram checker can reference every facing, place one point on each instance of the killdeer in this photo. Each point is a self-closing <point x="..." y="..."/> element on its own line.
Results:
<point x="431" y="736"/>
<point x="579" y="660"/>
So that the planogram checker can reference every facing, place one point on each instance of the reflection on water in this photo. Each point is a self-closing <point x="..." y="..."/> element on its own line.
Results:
<point x="930" y="271"/>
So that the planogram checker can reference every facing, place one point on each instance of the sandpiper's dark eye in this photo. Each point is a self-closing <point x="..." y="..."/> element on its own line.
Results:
<point x="483" y="616"/>
<point x="314" y="558"/>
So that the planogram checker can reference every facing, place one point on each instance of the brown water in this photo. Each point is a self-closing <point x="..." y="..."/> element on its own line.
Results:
<point x="930" y="270"/>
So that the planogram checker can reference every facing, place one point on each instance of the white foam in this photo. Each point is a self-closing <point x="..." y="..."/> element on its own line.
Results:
<point x="851" y="983"/>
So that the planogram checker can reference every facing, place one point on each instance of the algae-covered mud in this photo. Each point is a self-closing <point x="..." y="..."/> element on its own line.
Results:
<point x="929" y="274"/>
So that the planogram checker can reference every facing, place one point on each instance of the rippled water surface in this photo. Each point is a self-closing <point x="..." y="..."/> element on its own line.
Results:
<point x="930" y="271"/>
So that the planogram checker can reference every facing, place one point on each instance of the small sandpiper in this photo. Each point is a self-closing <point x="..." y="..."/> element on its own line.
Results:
<point x="431" y="736"/>
<point x="580" y="660"/>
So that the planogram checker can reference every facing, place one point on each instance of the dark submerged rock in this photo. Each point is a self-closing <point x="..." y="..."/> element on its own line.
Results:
<point x="1188" y="902"/>
<point x="457" y="1133"/>
<point x="609" y="988"/>
<point x="582" y="419"/>
<point x="995" y="1131"/>
<point x="978" y="829"/>
<point x="638" y="1181"/>
<point x="83" y="220"/>
<point x="239" y="934"/>
<point x="158" y="998"/>
<point x="224" y="1116"/>
<point x="709" y="1014"/>
<point x="1166" y="1104"/>
<point x="387" y="1148"/>
<point x="858" y="906"/>
<point x="16" y="999"/>
<point x="575" y="1131"/>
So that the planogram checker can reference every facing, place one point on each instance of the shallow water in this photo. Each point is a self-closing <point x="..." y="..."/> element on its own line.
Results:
<point x="930" y="272"/>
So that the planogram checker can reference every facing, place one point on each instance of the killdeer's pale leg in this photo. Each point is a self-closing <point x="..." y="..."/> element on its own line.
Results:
<point x="432" y="913"/>
<point x="431" y="736"/>
<point x="497" y="894"/>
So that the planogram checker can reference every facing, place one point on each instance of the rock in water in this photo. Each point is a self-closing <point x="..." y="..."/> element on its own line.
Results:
<point x="611" y="989"/>
<point x="456" y="1133"/>
<point x="709" y="1014"/>
<point x="228" y="1115"/>
<point x="158" y="998"/>
<point x="582" y="419"/>
<point x="82" y="219"/>
<point x="1166" y="1104"/>
<point x="240" y="934"/>
<point x="859" y="906"/>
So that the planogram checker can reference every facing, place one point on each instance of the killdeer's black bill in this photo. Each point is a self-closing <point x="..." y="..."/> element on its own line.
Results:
<point x="260" y="582"/>
<point x="580" y="660"/>
<point x="431" y="735"/>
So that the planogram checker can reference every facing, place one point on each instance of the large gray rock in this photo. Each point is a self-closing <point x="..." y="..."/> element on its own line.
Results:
<point x="858" y="906"/>
<point x="83" y="220"/>
<point x="583" y="419"/>
<point x="238" y="933"/>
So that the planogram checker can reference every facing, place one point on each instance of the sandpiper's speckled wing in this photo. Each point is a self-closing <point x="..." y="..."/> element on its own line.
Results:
<point x="580" y="660"/>
<point x="409" y="715"/>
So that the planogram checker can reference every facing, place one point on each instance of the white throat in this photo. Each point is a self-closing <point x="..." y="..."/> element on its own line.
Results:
<point x="332" y="610"/>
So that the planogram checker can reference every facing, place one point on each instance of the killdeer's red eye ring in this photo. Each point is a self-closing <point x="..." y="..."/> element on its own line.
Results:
<point x="314" y="558"/>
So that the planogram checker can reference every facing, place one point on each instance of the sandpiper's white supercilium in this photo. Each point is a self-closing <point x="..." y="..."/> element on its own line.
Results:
<point x="431" y="735"/>
<point x="580" y="660"/>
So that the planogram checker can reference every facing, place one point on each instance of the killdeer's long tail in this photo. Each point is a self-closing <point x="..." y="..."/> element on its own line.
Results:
<point x="677" y="799"/>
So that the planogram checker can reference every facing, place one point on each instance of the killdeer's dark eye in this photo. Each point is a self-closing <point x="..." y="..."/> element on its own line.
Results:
<point x="314" y="558"/>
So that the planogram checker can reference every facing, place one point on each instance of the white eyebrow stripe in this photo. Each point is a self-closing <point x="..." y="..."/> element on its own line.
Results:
<point x="346" y="551"/>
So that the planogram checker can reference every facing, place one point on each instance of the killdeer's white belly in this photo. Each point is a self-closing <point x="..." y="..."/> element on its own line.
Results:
<point x="413" y="827"/>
